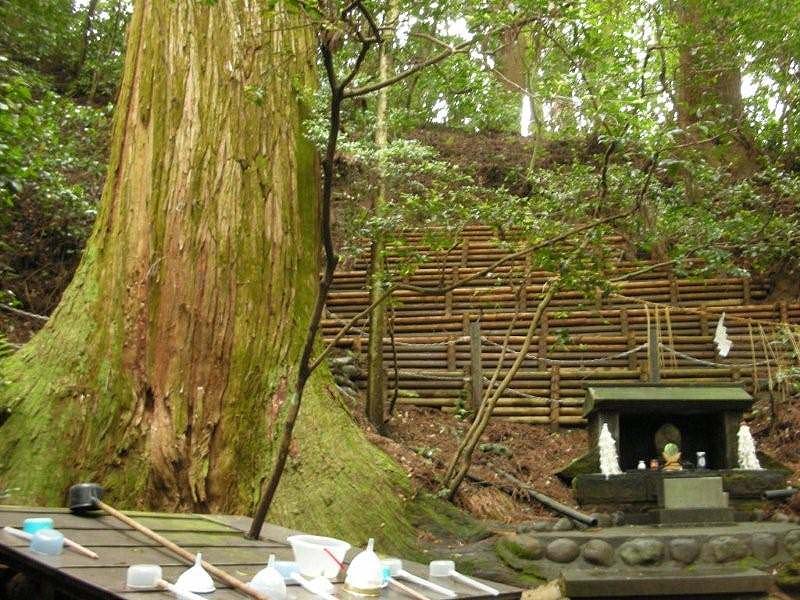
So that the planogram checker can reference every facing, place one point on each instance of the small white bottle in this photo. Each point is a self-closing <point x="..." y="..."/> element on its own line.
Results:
<point x="701" y="460"/>
<point x="641" y="466"/>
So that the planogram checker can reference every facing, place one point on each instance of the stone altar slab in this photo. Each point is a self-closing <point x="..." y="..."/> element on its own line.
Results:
<point x="693" y="492"/>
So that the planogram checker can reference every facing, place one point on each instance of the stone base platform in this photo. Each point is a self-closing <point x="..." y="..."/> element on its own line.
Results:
<point x="683" y="516"/>
<point x="666" y="582"/>
<point x="642" y="487"/>
<point x="641" y="561"/>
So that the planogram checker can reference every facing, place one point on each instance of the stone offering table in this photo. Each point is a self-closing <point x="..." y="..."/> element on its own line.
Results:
<point x="643" y="487"/>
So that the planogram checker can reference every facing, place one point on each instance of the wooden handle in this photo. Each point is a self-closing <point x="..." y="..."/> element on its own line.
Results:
<point x="180" y="594"/>
<point x="407" y="590"/>
<point x="185" y="554"/>
<point x="74" y="546"/>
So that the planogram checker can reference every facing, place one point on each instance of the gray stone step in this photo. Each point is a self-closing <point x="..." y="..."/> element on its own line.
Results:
<point x="667" y="582"/>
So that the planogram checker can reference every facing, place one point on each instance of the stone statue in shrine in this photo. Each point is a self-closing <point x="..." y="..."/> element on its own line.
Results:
<point x="672" y="458"/>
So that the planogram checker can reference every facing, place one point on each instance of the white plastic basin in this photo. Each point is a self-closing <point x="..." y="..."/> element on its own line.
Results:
<point x="311" y="557"/>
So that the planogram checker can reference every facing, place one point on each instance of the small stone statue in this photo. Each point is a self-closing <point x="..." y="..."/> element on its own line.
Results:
<point x="672" y="458"/>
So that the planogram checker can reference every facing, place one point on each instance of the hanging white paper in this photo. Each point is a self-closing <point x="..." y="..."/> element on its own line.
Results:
<point x="721" y="339"/>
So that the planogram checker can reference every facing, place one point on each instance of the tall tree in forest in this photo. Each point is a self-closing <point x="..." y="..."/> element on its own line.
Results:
<point x="709" y="86"/>
<point x="165" y="369"/>
<point x="378" y="277"/>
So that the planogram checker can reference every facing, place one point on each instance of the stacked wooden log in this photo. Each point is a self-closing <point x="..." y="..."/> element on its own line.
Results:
<point x="580" y="340"/>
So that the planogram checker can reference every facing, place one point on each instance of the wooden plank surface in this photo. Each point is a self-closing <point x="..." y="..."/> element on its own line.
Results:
<point x="219" y="537"/>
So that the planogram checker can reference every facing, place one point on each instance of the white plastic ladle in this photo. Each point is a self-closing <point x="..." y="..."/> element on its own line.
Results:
<point x="150" y="577"/>
<point x="310" y="587"/>
<point x="396" y="569"/>
<point x="447" y="568"/>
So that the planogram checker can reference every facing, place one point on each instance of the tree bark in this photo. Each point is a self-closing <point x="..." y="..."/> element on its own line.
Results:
<point x="709" y="86"/>
<point x="378" y="277"/>
<point x="512" y="63"/>
<point x="165" y="370"/>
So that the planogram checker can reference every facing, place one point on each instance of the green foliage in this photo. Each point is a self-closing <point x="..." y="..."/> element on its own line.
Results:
<point x="76" y="46"/>
<point x="59" y="65"/>
<point x="15" y="119"/>
<point x="602" y="79"/>
<point x="736" y="227"/>
<point x="610" y="77"/>
<point x="459" y="94"/>
<point x="38" y="33"/>
<point x="426" y="194"/>
<point x="52" y="159"/>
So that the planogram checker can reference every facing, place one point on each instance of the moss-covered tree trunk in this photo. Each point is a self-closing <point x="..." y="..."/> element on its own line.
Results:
<point x="163" y="373"/>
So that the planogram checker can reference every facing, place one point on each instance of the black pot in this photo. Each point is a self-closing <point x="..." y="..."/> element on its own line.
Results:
<point x="84" y="497"/>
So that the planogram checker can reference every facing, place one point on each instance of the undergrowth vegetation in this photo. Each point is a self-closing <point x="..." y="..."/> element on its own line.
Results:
<point x="59" y="65"/>
<point x="52" y="162"/>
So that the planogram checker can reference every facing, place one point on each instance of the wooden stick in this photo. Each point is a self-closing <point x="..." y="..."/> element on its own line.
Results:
<point x="74" y="546"/>
<point x="185" y="554"/>
<point x="407" y="590"/>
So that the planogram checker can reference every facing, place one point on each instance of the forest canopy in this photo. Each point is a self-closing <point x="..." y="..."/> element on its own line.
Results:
<point x="707" y="90"/>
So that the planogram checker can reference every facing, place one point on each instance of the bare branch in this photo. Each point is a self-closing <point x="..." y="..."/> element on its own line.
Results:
<point x="304" y="368"/>
<point x="23" y="313"/>
<point x="461" y="463"/>
<point x="448" y="51"/>
<point x="348" y="326"/>
<point x="362" y="54"/>
<point x="376" y="31"/>
<point x="646" y="269"/>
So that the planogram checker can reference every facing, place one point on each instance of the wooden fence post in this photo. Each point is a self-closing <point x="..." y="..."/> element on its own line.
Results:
<point x="784" y="309"/>
<point x="630" y="337"/>
<point x="674" y="293"/>
<point x="451" y="355"/>
<point x="555" y="396"/>
<point x="704" y="324"/>
<point x="384" y="396"/>
<point x="466" y="384"/>
<point x="476" y="372"/>
<point x="654" y="369"/>
<point x="544" y="331"/>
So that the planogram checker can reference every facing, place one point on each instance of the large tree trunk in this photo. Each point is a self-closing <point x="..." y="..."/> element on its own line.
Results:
<point x="709" y="88"/>
<point x="164" y="371"/>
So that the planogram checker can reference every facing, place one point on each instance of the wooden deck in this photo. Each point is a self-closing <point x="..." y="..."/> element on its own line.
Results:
<point x="219" y="537"/>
